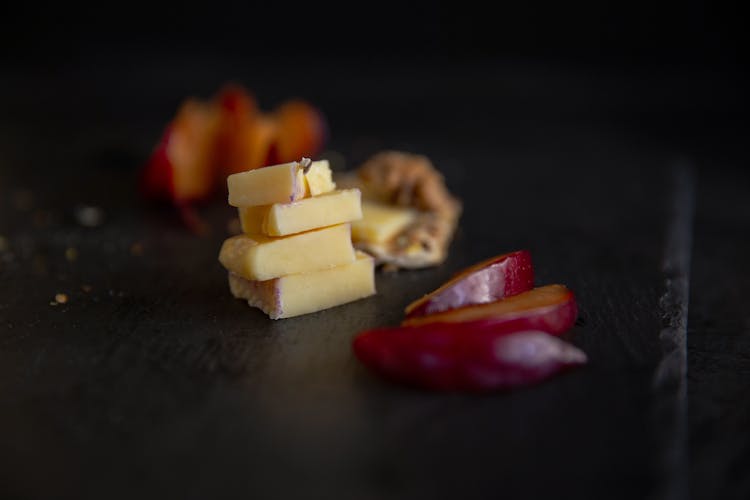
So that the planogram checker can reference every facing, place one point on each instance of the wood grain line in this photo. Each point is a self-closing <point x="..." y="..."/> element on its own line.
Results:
<point x="670" y="376"/>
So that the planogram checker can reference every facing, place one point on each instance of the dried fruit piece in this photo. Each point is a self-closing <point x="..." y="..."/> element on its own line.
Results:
<point x="458" y="357"/>
<point x="550" y="308"/>
<point x="490" y="280"/>
<point x="482" y="330"/>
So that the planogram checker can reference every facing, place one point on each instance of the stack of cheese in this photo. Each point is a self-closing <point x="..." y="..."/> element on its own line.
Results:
<point x="296" y="254"/>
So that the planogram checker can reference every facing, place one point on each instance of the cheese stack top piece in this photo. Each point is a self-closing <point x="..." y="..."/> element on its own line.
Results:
<point x="283" y="183"/>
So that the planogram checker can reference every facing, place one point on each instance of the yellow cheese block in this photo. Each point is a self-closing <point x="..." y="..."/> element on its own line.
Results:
<point x="260" y="257"/>
<point x="304" y="293"/>
<point x="264" y="186"/>
<point x="279" y="183"/>
<point x="253" y="219"/>
<point x="380" y="223"/>
<point x="281" y="219"/>
<point x="319" y="178"/>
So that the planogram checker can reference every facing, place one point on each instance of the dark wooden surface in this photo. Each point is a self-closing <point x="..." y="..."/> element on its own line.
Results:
<point x="157" y="384"/>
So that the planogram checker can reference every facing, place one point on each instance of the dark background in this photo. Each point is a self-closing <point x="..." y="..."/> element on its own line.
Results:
<point x="673" y="71"/>
<point x="624" y="33"/>
<point x="560" y="126"/>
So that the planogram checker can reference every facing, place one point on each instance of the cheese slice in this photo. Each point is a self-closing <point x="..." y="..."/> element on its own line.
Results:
<point x="304" y="293"/>
<point x="319" y="178"/>
<point x="264" y="186"/>
<point x="283" y="183"/>
<point x="381" y="223"/>
<point x="260" y="257"/>
<point x="281" y="219"/>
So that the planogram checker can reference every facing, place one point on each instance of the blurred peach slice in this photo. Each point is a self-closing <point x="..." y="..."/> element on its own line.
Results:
<point x="300" y="131"/>
<point x="181" y="167"/>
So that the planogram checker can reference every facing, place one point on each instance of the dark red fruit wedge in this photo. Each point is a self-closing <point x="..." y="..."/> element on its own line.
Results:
<point x="492" y="279"/>
<point x="445" y="356"/>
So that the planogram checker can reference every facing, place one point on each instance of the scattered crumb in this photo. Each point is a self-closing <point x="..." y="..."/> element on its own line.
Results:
<point x="61" y="298"/>
<point x="87" y="288"/>
<point x="234" y="226"/>
<point x="3" y="243"/>
<point x="89" y="216"/>
<point x="136" y="249"/>
<point x="71" y="254"/>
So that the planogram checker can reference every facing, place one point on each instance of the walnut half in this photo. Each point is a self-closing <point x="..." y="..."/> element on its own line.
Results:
<point x="408" y="180"/>
<point x="411" y="181"/>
